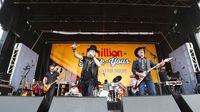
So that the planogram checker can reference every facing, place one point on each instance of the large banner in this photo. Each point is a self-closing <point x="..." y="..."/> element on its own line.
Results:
<point x="25" y="62"/>
<point x="116" y="59"/>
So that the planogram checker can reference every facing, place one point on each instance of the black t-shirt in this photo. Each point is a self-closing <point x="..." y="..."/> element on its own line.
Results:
<point x="163" y="76"/>
<point x="51" y="77"/>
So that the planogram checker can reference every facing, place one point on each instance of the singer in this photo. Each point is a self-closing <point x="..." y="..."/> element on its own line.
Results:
<point x="89" y="73"/>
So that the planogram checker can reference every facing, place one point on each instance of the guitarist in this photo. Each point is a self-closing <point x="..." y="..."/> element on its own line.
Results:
<point x="140" y="65"/>
<point x="50" y="77"/>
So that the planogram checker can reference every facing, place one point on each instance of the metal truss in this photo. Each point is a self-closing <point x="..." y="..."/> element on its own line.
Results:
<point x="101" y="19"/>
<point x="193" y="57"/>
<point x="13" y="58"/>
<point x="153" y="3"/>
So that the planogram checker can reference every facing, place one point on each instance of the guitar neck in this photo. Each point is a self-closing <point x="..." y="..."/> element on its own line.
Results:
<point x="53" y="82"/>
<point x="56" y="81"/>
<point x="157" y="65"/>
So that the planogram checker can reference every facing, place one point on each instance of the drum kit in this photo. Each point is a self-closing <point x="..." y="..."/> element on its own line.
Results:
<point x="115" y="90"/>
<point x="112" y="91"/>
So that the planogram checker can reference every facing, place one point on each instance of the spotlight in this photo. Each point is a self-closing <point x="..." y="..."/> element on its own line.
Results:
<point x="28" y="8"/>
<point x="175" y="11"/>
<point x="198" y="3"/>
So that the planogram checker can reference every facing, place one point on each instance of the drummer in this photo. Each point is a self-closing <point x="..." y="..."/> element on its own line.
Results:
<point x="116" y="81"/>
<point x="106" y="85"/>
<point x="73" y="91"/>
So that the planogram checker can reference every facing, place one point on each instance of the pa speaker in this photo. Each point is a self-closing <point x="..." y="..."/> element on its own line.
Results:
<point x="150" y="104"/>
<point x="78" y="104"/>
<point x="19" y="103"/>
<point x="193" y="102"/>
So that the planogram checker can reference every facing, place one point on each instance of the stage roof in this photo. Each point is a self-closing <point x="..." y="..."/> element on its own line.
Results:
<point x="157" y="16"/>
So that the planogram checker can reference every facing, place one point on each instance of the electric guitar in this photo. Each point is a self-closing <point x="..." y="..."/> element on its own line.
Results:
<point x="47" y="87"/>
<point x="137" y="81"/>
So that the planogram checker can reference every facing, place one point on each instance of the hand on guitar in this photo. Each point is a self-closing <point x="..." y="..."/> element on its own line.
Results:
<point x="162" y="63"/>
<point x="142" y="75"/>
<point x="132" y="76"/>
<point x="46" y="87"/>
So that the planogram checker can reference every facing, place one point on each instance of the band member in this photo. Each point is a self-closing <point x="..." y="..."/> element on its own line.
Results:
<point x="50" y="77"/>
<point x="36" y="88"/>
<point x="106" y="85"/>
<point x="26" y="88"/>
<point x="140" y="65"/>
<point x="163" y="74"/>
<point x="73" y="91"/>
<point x="163" y="78"/>
<point x="89" y="73"/>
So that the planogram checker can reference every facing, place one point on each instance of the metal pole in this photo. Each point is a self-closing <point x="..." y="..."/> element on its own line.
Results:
<point x="37" y="40"/>
<point x="158" y="77"/>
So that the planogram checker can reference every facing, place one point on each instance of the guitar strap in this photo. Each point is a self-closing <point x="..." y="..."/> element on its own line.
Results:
<point x="148" y="64"/>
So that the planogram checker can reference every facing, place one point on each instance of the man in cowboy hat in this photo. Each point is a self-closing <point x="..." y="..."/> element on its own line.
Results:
<point x="140" y="65"/>
<point x="89" y="73"/>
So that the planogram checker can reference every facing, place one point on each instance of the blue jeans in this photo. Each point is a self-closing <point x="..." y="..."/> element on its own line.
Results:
<point x="147" y="85"/>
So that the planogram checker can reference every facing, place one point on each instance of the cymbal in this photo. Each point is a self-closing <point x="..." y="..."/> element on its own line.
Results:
<point x="100" y="86"/>
<point x="117" y="78"/>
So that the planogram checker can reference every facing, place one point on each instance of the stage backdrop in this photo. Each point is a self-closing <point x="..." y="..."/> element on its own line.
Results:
<point x="116" y="59"/>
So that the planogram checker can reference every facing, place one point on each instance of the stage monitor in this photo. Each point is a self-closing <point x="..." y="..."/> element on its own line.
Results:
<point x="78" y="104"/>
<point x="19" y="103"/>
<point x="193" y="102"/>
<point x="150" y="104"/>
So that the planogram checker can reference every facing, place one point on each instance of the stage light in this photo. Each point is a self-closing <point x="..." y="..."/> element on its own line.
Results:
<point x="198" y="4"/>
<point x="1" y="3"/>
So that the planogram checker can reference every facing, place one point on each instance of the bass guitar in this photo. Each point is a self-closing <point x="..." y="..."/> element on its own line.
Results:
<point x="137" y="81"/>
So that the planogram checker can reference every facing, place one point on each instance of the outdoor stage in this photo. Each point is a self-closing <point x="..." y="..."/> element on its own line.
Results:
<point x="35" y="34"/>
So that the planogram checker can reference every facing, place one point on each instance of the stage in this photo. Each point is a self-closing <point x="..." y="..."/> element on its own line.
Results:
<point x="168" y="103"/>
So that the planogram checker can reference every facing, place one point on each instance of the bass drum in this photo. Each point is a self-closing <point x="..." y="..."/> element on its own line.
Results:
<point x="104" y="93"/>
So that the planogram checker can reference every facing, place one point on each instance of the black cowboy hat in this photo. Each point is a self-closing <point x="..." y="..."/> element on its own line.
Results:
<point x="137" y="49"/>
<point x="93" y="47"/>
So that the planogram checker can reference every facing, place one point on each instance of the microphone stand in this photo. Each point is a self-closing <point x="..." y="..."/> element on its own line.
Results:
<point x="158" y="77"/>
